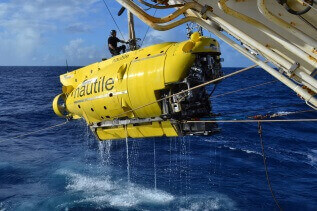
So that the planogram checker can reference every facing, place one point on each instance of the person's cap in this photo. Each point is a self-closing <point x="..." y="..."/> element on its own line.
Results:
<point x="112" y="32"/>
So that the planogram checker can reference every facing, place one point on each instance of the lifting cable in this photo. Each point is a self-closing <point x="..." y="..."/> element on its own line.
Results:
<point x="265" y="166"/>
<point x="113" y="19"/>
<point x="249" y="87"/>
<point x="223" y="121"/>
<point x="147" y="30"/>
<point x="250" y="120"/>
<point x="35" y="131"/>
<point x="187" y="90"/>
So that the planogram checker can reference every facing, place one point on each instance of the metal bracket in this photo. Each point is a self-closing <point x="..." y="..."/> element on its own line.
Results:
<point x="119" y="122"/>
<point x="293" y="68"/>
<point x="204" y="10"/>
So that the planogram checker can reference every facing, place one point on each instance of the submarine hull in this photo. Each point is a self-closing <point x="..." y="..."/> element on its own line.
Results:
<point x="129" y="95"/>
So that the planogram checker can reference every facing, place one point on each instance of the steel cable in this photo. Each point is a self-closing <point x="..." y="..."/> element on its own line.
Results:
<point x="187" y="90"/>
<point x="265" y="166"/>
<point x="113" y="19"/>
<point x="35" y="131"/>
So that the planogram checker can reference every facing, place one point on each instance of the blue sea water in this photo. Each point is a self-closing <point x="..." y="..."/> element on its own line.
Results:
<point x="67" y="169"/>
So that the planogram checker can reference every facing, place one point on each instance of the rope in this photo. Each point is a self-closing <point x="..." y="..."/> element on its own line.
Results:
<point x="249" y="120"/>
<point x="249" y="87"/>
<point x="212" y="91"/>
<point x="187" y="90"/>
<point x="265" y="166"/>
<point x="113" y="18"/>
<point x="261" y="109"/>
<point x="147" y="30"/>
<point x="280" y="114"/>
<point x="35" y="131"/>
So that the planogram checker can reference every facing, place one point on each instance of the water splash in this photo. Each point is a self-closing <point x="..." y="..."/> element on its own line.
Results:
<point x="212" y="201"/>
<point x="103" y="191"/>
<point x="1" y="207"/>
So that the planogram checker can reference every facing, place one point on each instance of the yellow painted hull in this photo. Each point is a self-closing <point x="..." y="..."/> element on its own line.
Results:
<point x="116" y="88"/>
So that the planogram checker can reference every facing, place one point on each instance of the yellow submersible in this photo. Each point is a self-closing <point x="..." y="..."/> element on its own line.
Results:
<point x="122" y="96"/>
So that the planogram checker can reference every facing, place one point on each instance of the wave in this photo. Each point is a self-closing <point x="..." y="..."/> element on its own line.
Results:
<point x="308" y="157"/>
<point x="241" y="149"/>
<point x="312" y="157"/>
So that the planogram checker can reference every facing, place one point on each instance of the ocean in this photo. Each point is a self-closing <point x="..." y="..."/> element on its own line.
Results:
<point x="66" y="168"/>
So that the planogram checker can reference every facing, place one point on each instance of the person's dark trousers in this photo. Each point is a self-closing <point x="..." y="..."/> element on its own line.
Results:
<point x="117" y="51"/>
<point x="121" y="48"/>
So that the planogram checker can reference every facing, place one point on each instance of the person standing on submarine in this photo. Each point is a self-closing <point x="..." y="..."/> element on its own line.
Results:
<point x="113" y="44"/>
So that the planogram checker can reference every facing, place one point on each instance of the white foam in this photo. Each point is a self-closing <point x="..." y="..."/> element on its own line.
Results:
<point x="81" y="183"/>
<point x="102" y="191"/>
<point x="251" y="152"/>
<point x="243" y="150"/>
<point x="312" y="157"/>
<point x="212" y="201"/>
<point x="1" y="207"/>
<point x="283" y="113"/>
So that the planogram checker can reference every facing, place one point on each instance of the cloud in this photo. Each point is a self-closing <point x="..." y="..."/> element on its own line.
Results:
<point x="155" y="37"/>
<point x="41" y="32"/>
<point x="25" y="26"/>
<point x="77" y="28"/>
<point x="77" y="51"/>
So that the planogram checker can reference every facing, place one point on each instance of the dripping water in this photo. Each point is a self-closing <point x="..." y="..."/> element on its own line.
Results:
<point x="104" y="151"/>
<point x="127" y="151"/>
<point x="154" y="163"/>
<point x="170" y="164"/>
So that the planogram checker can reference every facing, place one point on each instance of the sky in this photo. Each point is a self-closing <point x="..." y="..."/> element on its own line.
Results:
<point x="49" y="32"/>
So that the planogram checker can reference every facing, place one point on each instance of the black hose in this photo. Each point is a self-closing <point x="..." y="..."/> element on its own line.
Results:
<point x="294" y="12"/>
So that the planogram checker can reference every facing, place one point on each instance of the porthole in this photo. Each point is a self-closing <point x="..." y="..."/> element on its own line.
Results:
<point x="78" y="106"/>
<point x="105" y="107"/>
<point x="110" y="95"/>
<point x="92" y="109"/>
<point x="108" y="117"/>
